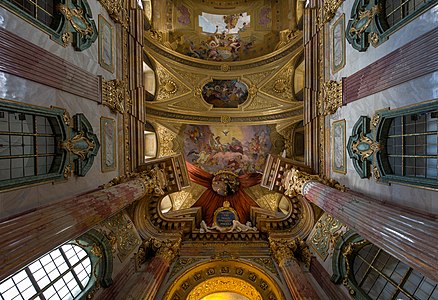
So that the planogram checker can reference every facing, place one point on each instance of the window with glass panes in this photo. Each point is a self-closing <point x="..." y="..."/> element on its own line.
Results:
<point x="28" y="145"/>
<point x="41" y="10"/>
<point x="411" y="145"/>
<point x="396" y="10"/>
<point x="381" y="276"/>
<point x="61" y="274"/>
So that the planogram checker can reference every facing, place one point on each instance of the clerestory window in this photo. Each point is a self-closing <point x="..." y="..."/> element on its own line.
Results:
<point x="29" y="147"/>
<point x="64" y="273"/>
<point x="381" y="276"/>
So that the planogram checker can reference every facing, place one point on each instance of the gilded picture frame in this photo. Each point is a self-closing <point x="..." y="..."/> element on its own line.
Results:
<point x="108" y="141"/>
<point x="338" y="44"/>
<point x="106" y="44"/>
<point x="339" y="155"/>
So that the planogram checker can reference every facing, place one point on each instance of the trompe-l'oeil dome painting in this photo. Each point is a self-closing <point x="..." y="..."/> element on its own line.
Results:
<point x="226" y="30"/>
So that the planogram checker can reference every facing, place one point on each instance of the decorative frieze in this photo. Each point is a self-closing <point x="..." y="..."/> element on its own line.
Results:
<point x="332" y="96"/>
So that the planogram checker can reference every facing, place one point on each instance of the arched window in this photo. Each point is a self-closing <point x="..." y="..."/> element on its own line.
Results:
<point x="374" y="21"/>
<point x="43" y="11"/>
<point x="39" y="144"/>
<point x="409" y="148"/>
<point x="64" y="273"/>
<point x="371" y="273"/>
<point x="67" y="272"/>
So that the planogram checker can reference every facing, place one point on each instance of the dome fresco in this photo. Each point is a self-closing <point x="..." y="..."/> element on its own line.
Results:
<point x="225" y="93"/>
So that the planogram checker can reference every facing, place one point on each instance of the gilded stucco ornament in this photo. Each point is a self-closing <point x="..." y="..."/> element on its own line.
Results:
<point x="293" y="182"/>
<point x="116" y="11"/>
<point x="325" y="235"/>
<point x="285" y="250"/>
<point x="81" y="29"/>
<point x="328" y="10"/>
<point x="348" y="253"/>
<point x="166" y="249"/>
<point x="114" y="93"/>
<point x="79" y="145"/>
<point x="332" y="96"/>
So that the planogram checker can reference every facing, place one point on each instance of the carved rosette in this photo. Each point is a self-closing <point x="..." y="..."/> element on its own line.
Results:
<point x="332" y="96"/>
<point x="114" y="93"/>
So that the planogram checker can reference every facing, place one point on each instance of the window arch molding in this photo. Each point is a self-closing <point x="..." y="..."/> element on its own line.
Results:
<point x="29" y="132"/>
<point x="77" y="268"/>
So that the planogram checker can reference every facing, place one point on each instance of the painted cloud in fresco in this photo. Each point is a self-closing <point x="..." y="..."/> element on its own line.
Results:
<point x="238" y="149"/>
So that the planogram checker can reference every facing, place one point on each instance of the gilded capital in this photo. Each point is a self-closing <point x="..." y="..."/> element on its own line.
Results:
<point x="294" y="180"/>
<point x="166" y="249"/>
<point x="332" y="96"/>
<point x="282" y="249"/>
<point x="328" y="10"/>
<point x="114" y="93"/>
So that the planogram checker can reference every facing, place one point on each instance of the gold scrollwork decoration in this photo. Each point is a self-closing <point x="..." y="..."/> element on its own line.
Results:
<point x="76" y="19"/>
<point x="332" y="96"/>
<point x="79" y="145"/>
<point x="365" y="147"/>
<point x="328" y="11"/>
<point x="114" y="94"/>
<point x="116" y="11"/>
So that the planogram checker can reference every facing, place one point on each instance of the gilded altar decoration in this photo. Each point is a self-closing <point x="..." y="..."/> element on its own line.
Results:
<point x="325" y="235"/>
<point x="217" y="285"/>
<point x="127" y="238"/>
<point x="117" y="11"/>
<point x="80" y="24"/>
<point x="332" y="96"/>
<point x="114" y="94"/>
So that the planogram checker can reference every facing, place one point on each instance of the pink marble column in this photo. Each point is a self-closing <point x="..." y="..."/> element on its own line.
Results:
<point x="147" y="283"/>
<point x="297" y="282"/>
<point x="26" y="237"/>
<point x="406" y="235"/>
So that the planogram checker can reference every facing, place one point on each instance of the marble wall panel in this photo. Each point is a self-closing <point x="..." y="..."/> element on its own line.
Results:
<point x="421" y="89"/>
<point x="356" y="60"/>
<point x="86" y="60"/>
<point x="29" y="92"/>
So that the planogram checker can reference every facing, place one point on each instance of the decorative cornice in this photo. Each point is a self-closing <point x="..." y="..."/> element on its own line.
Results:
<point x="332" y="96"/>
<point x="237" y="119"/>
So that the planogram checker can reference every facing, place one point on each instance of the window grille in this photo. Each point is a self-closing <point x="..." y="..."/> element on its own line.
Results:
<point x="396" y="10"/>
<point x="41" y="10"/>
<point x="63" y="273"/>
<point x="411" y="145"/>
<point x="381" y="276"/>
<point x="28" y="145"/>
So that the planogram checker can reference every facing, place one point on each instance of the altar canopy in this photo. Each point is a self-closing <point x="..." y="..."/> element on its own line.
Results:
<point x="211" y="200"/>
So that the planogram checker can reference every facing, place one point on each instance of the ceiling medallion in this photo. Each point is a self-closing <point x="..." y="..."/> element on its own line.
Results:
<point x="280" y="86"/>
<point x="225" y="183"/>
<point x="170" y="87"/>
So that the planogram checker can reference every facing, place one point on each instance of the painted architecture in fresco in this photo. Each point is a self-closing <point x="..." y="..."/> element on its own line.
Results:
<point x="224" y="37"/>
<point x="225" y="93"/>
<point x="238" y="149"/>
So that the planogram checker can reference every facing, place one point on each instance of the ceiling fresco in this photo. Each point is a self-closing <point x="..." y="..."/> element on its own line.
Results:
<point x="225" y="93"/>
<point x="240" y="150"/>
<point x="224" y="30"/>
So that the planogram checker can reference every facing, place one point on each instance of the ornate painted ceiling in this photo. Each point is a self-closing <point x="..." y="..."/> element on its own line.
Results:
<point x="229" y="84"/>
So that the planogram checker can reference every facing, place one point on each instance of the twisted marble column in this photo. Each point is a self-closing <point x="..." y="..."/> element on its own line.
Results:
<point x="406" y="235"/>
